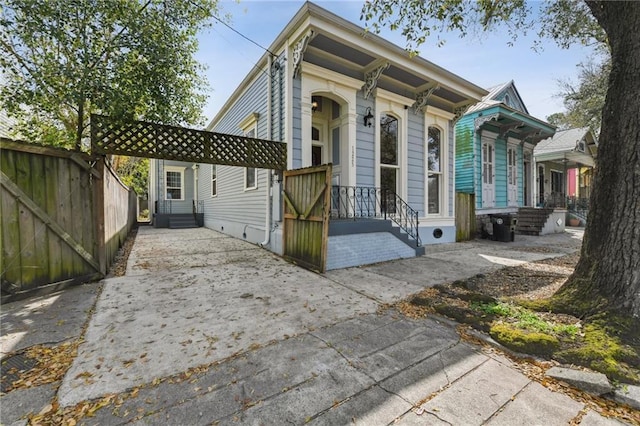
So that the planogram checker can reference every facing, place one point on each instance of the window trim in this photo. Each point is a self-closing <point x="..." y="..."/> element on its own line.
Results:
<point x="176" y="169"/>
<point x="250" y="125"/>
<point x="395" y="167"/>
<point x="214" y="181"/>
<point x="255" y="174"/>
<point x="441" y="120"/>
<point x="440" y="173"/>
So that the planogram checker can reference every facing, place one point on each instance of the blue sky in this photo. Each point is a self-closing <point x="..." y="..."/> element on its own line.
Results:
<point x="485" y="59"/>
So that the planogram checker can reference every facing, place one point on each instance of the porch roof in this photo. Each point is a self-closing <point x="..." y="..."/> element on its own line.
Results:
<point x="513" y="123"/>
<point x="576" y="146"/>
<point x="348" y="49"/>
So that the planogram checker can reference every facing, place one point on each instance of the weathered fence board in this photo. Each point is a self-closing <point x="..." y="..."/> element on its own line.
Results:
<point x="51" y="219"/>
<point x="306" y="216"/>
<point x="465" y="217"/>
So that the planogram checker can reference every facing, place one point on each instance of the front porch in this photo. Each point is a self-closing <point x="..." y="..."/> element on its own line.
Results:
<point x="370" y="225"/>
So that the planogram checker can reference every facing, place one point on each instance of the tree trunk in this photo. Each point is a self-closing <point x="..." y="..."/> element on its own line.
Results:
<point x="609" y="265"/>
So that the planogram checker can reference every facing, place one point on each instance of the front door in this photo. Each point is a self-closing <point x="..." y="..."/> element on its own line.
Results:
<point x="541" y="178"/>
<point x="488" y="174"/>
<point x="512" y="176"/>
<point x="526" y="183"/>
<point x="318" y="145"/>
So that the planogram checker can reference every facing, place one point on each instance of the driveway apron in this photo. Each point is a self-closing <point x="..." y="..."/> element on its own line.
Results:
<point x="192" y="297"/>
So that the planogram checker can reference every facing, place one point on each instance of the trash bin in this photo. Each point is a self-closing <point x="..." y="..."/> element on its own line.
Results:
<point x="504" y="227"/>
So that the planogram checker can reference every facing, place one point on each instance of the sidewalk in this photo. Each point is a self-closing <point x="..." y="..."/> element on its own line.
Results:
<point x="205" y="328"/>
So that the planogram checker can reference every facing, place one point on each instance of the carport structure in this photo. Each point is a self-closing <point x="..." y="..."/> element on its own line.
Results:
<point x="151" y="140"/>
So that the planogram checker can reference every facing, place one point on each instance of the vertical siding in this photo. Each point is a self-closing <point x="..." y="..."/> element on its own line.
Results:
<point x="365" y="144"/>
<point x="464" y="155"/>
<point x="416" y="138"/>
<point x="296" y="137"/>
<point x="232" y="202"/>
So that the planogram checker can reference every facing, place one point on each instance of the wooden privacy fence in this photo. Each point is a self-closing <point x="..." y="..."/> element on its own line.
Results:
<point x="465" y="216"/>
<point x="306" y="216"/>
<point x="64" y="215"/>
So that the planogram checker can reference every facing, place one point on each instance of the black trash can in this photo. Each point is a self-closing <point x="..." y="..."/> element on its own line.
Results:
<point x="504" y="227"/>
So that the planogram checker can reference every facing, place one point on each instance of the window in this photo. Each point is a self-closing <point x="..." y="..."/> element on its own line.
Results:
<point x="557" y="184"/>
<point x="434" y="170"/>
<point x="174" y="178"/>
<point x="335" y="145"/>
<point x="250" y="173"/>
<point x="512" y="177"/>
<point x="250" y="178"/>
<point x="389" y="159"/>
<point x="214" y="180"/>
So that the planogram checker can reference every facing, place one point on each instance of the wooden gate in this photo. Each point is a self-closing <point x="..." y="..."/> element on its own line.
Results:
<point x="63" y="217"/>
<point x="307" y="195"/>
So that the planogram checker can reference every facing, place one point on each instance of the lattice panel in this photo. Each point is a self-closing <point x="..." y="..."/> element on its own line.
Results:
<point x="142" y="139"/>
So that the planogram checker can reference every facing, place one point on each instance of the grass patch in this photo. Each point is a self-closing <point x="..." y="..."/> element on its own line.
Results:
<point x="525" y="319"/>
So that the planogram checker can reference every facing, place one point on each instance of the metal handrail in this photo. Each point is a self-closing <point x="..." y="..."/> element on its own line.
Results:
<point x="555" y="199"/>
<point x="197" y="206"/>
<point x="578" y="206"/>
<point x="402" y="214"/>
<point x="353" y="202"/>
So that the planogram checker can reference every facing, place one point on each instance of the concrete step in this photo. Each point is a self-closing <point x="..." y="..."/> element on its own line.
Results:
<point x="182" y="223"/>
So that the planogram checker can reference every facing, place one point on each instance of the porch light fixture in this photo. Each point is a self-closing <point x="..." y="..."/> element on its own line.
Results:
<point x="368" y="118"/>
<point x="314" y="106"/>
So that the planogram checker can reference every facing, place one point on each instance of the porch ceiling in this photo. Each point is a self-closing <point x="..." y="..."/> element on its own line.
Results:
<point x="352" y="61"/>
<point x="573" y="159"/>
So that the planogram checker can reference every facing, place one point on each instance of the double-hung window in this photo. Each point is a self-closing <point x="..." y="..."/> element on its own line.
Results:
<point x="389" y="153"/>
<point x="174" y="183"/>
<point x="250" y="173"/>
<point x="214" y="180"/>
<point x="434" y="170"/>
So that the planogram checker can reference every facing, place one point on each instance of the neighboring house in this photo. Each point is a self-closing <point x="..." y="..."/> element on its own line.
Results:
<point x="338" y="94"/>
<point x="6" y="125"/>
<point x="565" y="164"/>
<point x="495" y="140"/>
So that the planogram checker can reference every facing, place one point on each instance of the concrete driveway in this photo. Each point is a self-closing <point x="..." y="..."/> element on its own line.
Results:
<point x="208" y="329"/>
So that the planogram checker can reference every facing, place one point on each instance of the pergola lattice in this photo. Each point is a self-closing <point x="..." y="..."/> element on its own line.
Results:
<point x="150" y="140"/>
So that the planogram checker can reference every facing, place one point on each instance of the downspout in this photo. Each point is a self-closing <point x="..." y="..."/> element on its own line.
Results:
<point x="195" y="168"/>
<point x="267" y="222"/>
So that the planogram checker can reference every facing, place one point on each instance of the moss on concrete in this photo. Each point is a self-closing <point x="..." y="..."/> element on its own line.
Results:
<point x="601" y="351"/>
<point x="534" y="343"/>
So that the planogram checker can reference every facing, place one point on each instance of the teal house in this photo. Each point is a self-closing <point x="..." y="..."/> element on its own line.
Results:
<point x="495" y="139"/>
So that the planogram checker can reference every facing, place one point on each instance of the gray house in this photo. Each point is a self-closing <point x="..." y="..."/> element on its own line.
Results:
<point x="565" y="166"/>
<point x="336" y="94"/>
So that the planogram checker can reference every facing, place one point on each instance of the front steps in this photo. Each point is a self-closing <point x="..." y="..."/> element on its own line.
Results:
<point x="532" y="220"/>
<point x="182" y="222"/>
<point x="363" y="226"/>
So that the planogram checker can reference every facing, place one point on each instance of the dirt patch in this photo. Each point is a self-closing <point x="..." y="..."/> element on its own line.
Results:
<point x="119" y="266"/>
<point x="510" y="305"/>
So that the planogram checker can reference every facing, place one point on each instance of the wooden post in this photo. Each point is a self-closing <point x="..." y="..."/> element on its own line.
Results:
<point x="98" y="205"/>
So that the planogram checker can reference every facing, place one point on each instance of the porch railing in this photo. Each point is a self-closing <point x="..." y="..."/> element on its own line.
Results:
<point x="555" y="200"/>
<point x="197" y="206"/>
<point x="353" y="202"/>
<point x="177" y="206"/>
<point x="578" y="206"/>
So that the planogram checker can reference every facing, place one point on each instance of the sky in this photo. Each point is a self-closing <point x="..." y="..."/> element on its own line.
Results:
<point x="485" y="60"/>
